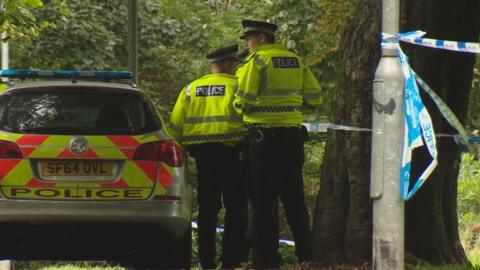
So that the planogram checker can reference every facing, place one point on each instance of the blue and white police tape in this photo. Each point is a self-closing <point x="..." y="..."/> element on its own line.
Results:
<point x="14" y="73"/>
<point x="462" y="138"/>
<point x="323" y="127"/>
<point x="220" y="230"/>
<point x="418" y="124"/>
<point x="415" y="37"/>
<point x="392" y="40"/>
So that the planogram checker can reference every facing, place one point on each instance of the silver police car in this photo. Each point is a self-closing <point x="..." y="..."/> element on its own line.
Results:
<point x="88" y="172"/>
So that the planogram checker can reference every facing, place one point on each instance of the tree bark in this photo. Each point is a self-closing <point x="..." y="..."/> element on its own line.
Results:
<point x="342" y="220"/>
<point x="431" y="215"/>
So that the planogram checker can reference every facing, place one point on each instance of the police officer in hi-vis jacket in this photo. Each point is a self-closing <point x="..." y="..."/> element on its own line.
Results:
<point x="274" y="85"/>
<point x="205" y="122"/>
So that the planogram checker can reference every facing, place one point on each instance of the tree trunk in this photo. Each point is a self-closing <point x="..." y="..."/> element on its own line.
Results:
<point x="431" y="215"/>
<point x="342" y="221"/>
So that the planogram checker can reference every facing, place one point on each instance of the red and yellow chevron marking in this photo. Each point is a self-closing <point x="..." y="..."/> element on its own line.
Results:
<point x="165" y="175"/>
<point x="29" y="143"/>
<point x="35" y="183"/>
<point x="126" y="144"/>
<point x="6" y="166"/>
<point x="164" y="179"/>
<point x="54" y="146"/>
<point x="117" y="184"/>
<point x="138" y="181"/>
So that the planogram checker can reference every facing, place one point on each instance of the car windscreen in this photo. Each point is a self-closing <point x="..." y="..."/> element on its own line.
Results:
<point x="77" y="113"/>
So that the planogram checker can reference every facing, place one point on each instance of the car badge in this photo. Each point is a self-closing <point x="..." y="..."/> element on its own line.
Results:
<point x="78" y="145"/>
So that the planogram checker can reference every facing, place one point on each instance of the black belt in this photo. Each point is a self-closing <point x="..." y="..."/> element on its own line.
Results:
<point x="257" y="132"/>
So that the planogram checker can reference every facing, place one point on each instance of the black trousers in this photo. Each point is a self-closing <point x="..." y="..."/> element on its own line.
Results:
<point x="276" y="161"/>
<point x="220" y="180"/>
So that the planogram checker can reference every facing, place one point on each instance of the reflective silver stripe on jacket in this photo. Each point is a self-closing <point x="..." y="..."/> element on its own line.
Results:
<point x="262" y="85"/>
<point x="187" y="92"/>
<point x="210" y="119"/>
<point x="214" y="137"/>
<point x="274" y="109"/>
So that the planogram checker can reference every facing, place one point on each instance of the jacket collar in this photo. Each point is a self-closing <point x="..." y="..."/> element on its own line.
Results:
<point x="219" y="75"/>
<point x="264" y="48"/>
<point x="269" y="47"/>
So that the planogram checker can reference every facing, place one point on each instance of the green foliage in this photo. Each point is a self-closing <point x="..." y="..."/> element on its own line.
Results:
<point x="174" y="37"/>
<point x="473" y="118"/>
<point x="288" y="255"/>
<point x="17" y="19"/>
<point x="326" y="32"/>
<point x="82" y="35"/>
<point x="474" y="257"/>
<point x="469" y="206"/>
<point x="314" y="149"/>
<point x="448" y="267"/>
<point x="61" y="265"/>
<point x="468" y="185"/>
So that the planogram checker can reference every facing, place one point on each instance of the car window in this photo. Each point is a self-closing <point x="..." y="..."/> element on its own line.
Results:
<point x="77" y="113"/>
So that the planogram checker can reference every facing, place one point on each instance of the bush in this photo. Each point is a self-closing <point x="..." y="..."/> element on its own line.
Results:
<point x="469" y="206"/>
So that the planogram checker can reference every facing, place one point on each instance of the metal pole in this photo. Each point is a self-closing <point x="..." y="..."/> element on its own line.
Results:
<point x="5" y="48"/>
<point x="387" y="147"/>
<point x="132" y="39"/>
<point x="5" y="53"/>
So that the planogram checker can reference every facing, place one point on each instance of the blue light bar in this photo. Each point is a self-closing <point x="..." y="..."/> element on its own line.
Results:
<point x="12" y="73"/>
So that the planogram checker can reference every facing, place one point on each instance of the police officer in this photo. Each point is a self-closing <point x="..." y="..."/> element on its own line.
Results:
<point x="248" y="240"/>
<point x="274" y="84"/>
<point x="205" y="121"/>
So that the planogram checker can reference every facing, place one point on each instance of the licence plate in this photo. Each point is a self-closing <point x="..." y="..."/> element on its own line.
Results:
<point x="76" y="168"/>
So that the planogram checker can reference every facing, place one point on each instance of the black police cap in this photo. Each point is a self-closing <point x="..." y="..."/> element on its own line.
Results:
<point x="252" y="26"/>
<point x="224" y="53"/>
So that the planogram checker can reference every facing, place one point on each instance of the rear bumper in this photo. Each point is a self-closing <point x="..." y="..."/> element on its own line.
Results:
<point x="51" y="230"/>
<point x="168" y="213"/>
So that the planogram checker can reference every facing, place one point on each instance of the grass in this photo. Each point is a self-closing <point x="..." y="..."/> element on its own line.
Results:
<point x="65" y="265"/>
<point x="73" y="267"/>
<point x="474" y="257"/>
<point x="448" y="267"/>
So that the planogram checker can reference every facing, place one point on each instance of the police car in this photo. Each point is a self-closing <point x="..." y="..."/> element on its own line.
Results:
<point x="87" y="171"/>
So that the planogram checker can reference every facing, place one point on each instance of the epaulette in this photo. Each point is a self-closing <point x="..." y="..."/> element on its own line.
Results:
<point x="249" y="57"/>
<point x="187" y="92"/>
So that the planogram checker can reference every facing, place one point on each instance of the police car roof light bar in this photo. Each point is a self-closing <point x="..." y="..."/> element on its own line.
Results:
<point x="23" y="74"/>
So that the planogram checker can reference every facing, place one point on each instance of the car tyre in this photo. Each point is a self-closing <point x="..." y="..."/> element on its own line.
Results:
<point x="181" y="251"/>
<point x="175" y="255"/>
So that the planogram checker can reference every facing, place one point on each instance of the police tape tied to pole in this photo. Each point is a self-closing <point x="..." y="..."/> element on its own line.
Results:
<point x="418" y="122"/>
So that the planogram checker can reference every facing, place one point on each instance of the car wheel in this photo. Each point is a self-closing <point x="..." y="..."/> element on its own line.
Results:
<point x="175" y="255"/>
<point x="181" y="251"/>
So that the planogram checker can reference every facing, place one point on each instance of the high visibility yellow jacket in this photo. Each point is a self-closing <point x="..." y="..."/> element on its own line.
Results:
<point x="204" y="112"/>
<point x="274" y="84"/>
